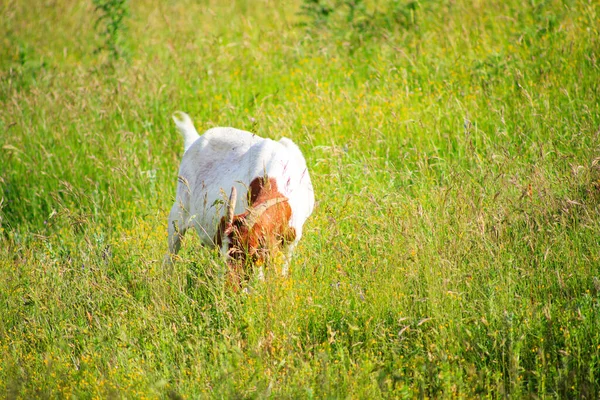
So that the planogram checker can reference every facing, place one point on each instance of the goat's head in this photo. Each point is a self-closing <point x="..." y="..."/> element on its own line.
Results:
<point x="252" y="237"/>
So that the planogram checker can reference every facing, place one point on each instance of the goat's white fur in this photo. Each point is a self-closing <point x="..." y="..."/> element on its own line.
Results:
<point x="223" y="158"/>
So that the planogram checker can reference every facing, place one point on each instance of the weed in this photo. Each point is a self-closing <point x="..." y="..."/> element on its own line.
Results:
<point x="111" y="23"/>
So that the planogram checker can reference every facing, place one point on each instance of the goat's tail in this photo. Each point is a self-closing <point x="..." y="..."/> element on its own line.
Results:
<point x="186" y="128"/>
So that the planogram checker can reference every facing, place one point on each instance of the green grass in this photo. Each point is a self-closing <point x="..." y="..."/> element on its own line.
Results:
<point x="454" y="250"/>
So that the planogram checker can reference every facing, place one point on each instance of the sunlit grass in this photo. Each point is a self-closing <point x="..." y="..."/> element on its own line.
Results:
<point x="453" y="251"/>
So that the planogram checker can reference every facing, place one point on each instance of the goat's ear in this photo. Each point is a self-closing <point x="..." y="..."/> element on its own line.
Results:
<point x="289" y="234"/>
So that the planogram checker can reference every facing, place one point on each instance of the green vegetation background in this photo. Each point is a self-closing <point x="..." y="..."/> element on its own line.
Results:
<point x="453" y="146"/>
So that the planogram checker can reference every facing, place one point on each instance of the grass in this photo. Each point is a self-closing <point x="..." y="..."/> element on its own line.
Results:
<point x="453" y="252"/>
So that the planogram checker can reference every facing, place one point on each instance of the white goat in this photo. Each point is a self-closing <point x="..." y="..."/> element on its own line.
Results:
<point x="275" y="193"/>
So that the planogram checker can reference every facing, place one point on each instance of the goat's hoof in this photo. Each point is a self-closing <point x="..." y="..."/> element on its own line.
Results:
<point x="168" y="261"/>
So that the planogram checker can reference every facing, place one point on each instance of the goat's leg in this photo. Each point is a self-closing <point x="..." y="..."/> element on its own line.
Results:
<point x="288" y="250"/>
<point x="177" y="228"/>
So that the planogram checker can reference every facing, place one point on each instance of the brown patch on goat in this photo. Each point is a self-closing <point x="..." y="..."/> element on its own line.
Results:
<point x="253" y="245"/>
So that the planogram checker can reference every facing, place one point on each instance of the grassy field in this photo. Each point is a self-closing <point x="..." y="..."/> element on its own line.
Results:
<point x="454" y="148"/>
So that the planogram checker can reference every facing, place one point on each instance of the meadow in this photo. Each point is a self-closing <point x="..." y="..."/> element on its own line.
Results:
<point x="454" y="148"/>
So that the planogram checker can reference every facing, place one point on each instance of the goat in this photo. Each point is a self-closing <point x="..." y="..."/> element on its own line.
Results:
<point x="271" y="194"/>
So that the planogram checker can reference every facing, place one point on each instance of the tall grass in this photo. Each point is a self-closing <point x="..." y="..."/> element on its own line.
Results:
<point x="453" y="252"/>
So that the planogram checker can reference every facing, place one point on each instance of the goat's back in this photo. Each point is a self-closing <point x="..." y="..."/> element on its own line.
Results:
<point x="226" y="157"/>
